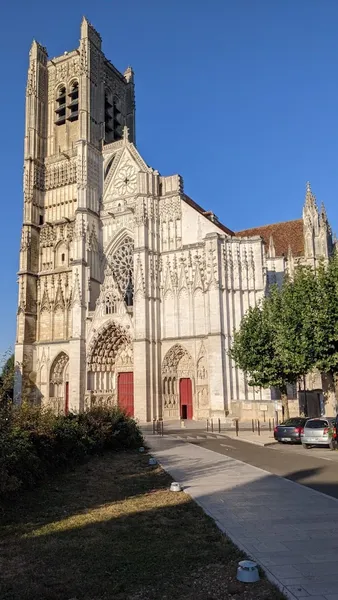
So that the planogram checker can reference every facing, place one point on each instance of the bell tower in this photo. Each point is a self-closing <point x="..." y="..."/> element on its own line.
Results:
<point x="76" y="105"/>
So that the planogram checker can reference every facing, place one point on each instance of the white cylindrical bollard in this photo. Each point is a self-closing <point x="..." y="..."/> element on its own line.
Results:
<point x="152" y="461"/>
<point x="247" y="571"/>
<point x="175" y="487"/>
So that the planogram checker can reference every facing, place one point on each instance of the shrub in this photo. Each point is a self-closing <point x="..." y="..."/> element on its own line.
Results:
<point x="34" y="443"/>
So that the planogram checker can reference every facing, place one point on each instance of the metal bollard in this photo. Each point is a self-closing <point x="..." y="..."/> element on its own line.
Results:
<point x="212" y="425"/>
<point x="154" y="425"/>
<point x="219" y="425"/>
<point x="207" y="425"/>
<point x="269" y="424"/>
<point x="258" y="427"/>
<point x="237" y="427"/>
<point x="162" y="427"/>
<point x="253" y="425"/>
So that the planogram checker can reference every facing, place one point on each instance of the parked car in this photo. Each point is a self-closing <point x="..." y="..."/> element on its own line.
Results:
<point x="319" y="432"/>
<point x="290" y="430"/>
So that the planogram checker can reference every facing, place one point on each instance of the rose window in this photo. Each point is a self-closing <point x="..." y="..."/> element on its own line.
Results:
<point x="122" y="265"/>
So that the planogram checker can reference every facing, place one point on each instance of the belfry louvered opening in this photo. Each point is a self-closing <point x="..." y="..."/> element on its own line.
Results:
<point x="60" y="111"/>
<point x="73" y="104"/>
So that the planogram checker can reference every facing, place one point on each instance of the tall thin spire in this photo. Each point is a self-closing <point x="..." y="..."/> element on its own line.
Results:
<point x="323" y="217"/>
<point x="271" y="250"/>
<point x="323" y="213"/>
<point x="310" y="199"/>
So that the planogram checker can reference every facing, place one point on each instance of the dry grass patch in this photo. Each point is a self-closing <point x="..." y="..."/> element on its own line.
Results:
<point x="111" y="530"/>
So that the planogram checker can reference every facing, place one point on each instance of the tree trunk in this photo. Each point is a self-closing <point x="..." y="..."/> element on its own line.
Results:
<point x="285" y="403"/>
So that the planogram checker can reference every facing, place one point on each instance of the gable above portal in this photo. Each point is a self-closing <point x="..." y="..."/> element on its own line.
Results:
<point x="122" y="163"/>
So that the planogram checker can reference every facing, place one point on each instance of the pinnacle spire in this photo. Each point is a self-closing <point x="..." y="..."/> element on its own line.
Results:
<point x="125" y="134"/>
<point x="37" y="51"/>
<point x="323" y="218"/>
<point x="323" y="213"/>
<point x="272" y="249"/>
<point x="129" y="74"/>
<point x="310" y="200"/>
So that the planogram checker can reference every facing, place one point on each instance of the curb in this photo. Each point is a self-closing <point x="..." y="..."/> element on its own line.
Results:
<point x="255" y="442"/>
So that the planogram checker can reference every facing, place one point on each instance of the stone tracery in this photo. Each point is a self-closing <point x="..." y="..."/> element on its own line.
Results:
<point x="122" y="265"/>
<point x="103" y="349"/>
<point x="202" y="381"/>
<point x="109" y="352"/>
<point x="177" y="364"/>
<point x="57" y="369"/>
<point x="58" y="379"/>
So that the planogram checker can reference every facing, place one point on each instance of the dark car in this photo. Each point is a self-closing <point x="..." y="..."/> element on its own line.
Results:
<point x="290" y="430"/>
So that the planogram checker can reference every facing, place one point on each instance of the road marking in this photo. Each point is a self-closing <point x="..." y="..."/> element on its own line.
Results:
<point x="228" y="446"/>
<point x="300" y="453"/>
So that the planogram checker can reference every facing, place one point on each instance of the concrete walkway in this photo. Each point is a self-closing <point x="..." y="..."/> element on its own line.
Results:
<point x="290" y="530"/>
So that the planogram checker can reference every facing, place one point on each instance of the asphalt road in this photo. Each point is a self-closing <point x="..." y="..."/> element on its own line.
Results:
<point x="314" y="468"/>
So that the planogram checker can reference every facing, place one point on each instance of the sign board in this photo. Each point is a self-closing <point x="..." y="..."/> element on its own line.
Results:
<point x="263" y="407"/>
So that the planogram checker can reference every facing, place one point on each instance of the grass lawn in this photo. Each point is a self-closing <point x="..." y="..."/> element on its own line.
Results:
<point x="111" y="530"/>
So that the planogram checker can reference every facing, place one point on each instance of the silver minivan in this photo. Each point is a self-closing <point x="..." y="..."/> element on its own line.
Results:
<point x="318" y="432"/>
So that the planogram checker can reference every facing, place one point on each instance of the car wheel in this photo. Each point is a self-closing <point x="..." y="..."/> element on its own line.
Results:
<point x="306" y="446"/>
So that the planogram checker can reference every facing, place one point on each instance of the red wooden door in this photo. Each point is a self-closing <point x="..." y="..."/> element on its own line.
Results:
<point x="66" y="397"/>
<point x="125" y="392"/>
<point x="185" y="399"/>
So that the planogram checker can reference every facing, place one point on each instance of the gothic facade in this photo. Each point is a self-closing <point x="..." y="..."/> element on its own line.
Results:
<point x="129" y="292"/>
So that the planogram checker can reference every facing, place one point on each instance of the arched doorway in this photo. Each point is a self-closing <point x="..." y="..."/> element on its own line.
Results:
<point x="59" y="384"/>
<point x="178" y="383"/>
<point x="186" y="408"/>
<point x="110" y="368"/>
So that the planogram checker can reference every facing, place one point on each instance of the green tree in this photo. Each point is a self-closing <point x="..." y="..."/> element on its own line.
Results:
<point x="295" y="308"/>
<point x="275" y="343"/>
<point x="326" y="324"/>
<point x="7" y="379"/>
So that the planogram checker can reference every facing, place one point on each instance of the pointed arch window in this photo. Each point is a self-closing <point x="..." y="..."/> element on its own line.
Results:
<point x="73" y="104"/>
<point x="122" y="265"/>
<point x="113" y="118"/>
<point x="60" y="111"/>
<point x="118" y="119"/>
<point x="111" y="304"/>
<point x="108" y="118"/>
<point x="129" y="295"/>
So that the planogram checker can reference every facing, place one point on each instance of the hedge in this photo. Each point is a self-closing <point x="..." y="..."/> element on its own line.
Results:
<point x="34" y="443"/>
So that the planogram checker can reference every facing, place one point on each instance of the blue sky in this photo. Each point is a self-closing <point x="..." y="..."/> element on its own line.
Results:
<point x="240" y="97"/>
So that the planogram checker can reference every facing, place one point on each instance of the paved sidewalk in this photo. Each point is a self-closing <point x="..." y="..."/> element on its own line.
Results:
<point x="290" y="530"/>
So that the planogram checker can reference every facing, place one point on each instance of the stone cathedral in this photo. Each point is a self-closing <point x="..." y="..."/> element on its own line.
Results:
<point x="129" y="291"/>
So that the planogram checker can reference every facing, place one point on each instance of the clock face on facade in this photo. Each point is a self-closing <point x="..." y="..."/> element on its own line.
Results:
<point x="126" y="180"/>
